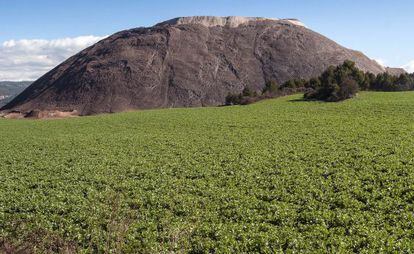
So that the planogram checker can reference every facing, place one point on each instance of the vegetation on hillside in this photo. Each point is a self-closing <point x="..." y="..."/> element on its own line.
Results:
<point x="280" y="176"/>
<point x="335" y="84"/>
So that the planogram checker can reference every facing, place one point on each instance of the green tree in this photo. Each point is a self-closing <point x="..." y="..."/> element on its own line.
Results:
<point x="290" y="84"/>
<point x="271" y="87"/>
<point x="248" y="92"/>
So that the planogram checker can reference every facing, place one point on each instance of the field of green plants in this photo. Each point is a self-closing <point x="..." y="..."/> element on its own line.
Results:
<point x="280" y="175"/>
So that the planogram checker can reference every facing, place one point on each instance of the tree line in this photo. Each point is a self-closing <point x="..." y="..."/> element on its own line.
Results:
<point x="334" y="84"/>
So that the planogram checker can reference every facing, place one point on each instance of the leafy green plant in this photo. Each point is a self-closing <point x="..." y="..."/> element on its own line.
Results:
<point x="277" y="176"/>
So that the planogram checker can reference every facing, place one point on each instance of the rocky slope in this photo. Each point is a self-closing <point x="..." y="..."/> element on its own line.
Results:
<point x="395" y="71"/>
<point x="184" y="62"/>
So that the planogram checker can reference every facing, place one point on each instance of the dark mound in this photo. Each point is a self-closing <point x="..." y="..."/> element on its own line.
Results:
<point x="184" y="62"/>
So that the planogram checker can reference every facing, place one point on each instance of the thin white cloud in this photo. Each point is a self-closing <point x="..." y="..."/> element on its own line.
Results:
<point x="409" y="66"/>
<point x="380" y="61"/>
<point x="30" y="59"/>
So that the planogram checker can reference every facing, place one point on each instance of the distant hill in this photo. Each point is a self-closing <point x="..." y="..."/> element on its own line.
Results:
<point x="9" y="89"/>
<point x="185" y="62"/>
<point x="395" y="71"/>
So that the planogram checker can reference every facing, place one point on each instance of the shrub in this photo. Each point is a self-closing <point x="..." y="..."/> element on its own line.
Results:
<point x="347" y="89"/>
<point x="233" y="99"/>
<point x="247" y="96"/>
<point x="334" y="84"/>
<point x="271" y="87"/>
<point x="247" y="92"/>
<point x="333" y="92"/>
<point x="289" y="84"/>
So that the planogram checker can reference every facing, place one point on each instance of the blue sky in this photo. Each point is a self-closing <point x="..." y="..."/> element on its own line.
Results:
<point x="381" y="29"/>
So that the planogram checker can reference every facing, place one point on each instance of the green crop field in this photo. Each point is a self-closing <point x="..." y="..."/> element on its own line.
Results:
<point x="280" y="175"/>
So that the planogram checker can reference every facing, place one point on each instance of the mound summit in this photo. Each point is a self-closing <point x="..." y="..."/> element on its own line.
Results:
<point x="184" y="62"/>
